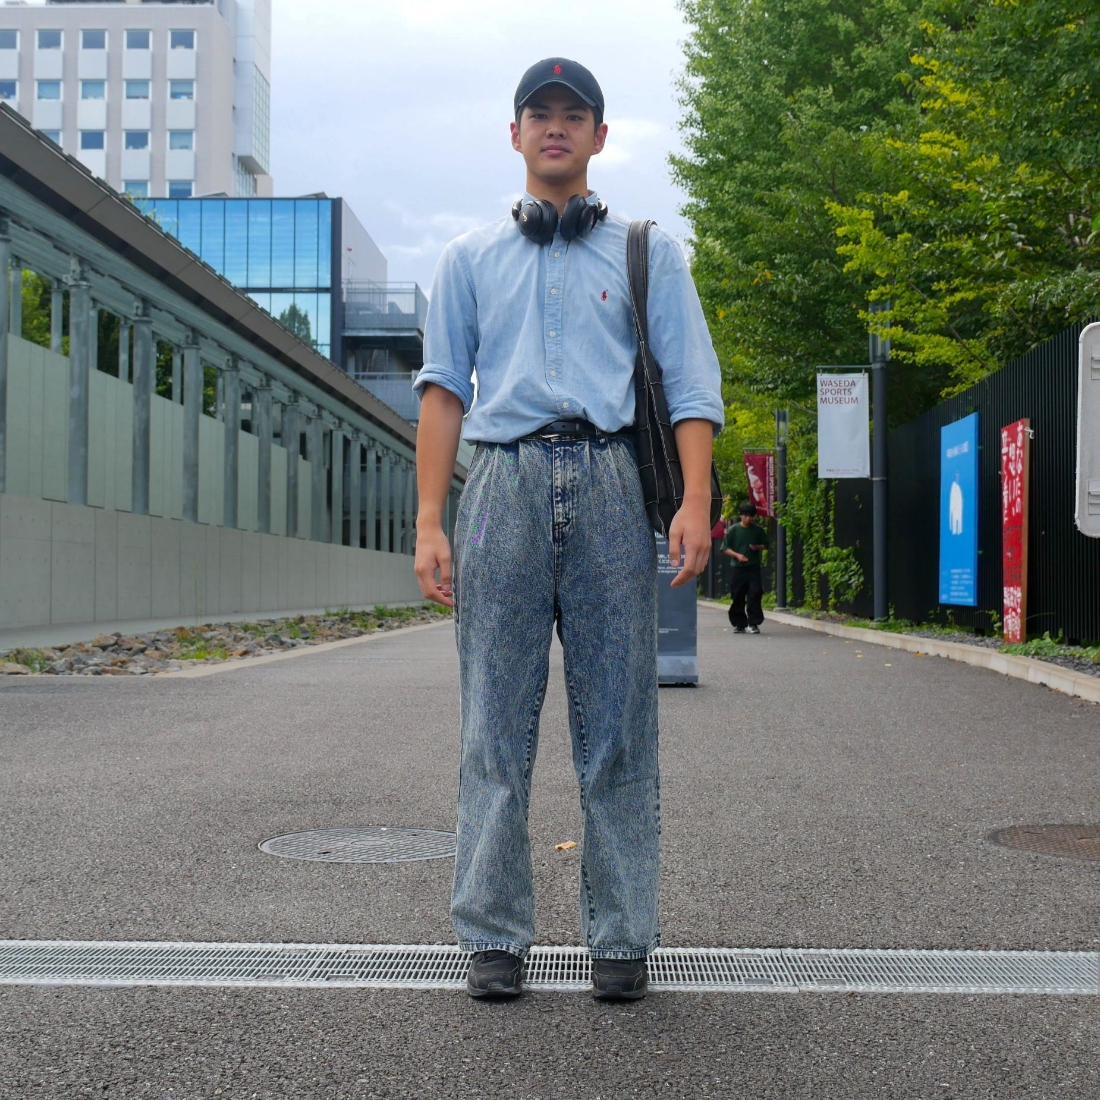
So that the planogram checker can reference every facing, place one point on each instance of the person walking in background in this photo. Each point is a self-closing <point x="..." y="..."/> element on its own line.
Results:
<point x="744" y="543"/>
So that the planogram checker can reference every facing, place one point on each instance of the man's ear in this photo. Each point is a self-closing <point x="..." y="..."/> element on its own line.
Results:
<point x="599" y="139"/>
<point x="514" y="128"/>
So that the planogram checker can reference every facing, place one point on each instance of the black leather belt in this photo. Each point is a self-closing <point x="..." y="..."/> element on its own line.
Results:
<point x="568" y="429"/>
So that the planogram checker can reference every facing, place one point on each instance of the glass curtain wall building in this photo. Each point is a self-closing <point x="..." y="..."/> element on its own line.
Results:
<point x="286" y="254"/>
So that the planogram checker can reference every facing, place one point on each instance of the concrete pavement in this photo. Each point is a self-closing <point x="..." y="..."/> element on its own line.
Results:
<point x="815" y="793"/>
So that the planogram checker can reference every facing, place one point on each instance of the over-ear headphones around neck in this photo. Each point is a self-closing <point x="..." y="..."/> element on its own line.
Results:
<point x="538" y="218"/>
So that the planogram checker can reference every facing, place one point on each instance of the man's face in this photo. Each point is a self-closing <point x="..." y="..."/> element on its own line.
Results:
<point x="746" y="521"/>
<point x="557" y="134"/>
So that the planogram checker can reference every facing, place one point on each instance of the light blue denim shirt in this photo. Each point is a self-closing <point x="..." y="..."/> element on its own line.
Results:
<point x="549" y="331"/>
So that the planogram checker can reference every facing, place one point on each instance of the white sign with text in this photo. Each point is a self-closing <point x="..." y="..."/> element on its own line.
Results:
<point x="843" y="425"/>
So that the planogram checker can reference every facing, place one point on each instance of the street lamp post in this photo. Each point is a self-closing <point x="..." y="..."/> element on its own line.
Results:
<point x="880" y="354"/>
<point x="782" y="433"/>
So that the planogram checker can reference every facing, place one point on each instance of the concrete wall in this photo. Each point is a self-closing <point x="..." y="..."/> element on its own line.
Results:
<point x="65" y="563"/>
<point x="38" y="386"/>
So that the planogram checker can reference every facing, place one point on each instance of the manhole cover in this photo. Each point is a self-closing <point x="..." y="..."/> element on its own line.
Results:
<point x="1073" y="841"/>
<point x="374" y="844"/>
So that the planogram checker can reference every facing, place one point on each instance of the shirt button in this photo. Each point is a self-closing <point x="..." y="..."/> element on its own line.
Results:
<point x="556" y="255"/>
<point x="553" y="290"/>
<point x="565" y="404"/>
<point x="552" y="335"/>
<point x="553" y="374"/>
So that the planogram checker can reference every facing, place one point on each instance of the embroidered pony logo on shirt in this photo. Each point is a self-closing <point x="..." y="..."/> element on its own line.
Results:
<point x="603" y="296"/>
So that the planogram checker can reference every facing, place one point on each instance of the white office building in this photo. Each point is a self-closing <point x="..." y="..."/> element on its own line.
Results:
<point x="160" y="98"/>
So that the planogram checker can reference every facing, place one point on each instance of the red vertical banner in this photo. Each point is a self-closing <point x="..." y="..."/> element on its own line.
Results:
<point x="760" y="470"/>
<point x="1015" y="452"/>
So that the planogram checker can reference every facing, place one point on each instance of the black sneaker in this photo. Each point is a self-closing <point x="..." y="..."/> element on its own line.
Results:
<point x="739" y="630"/>
<point x="619" y="979"/>
<point x="495" y="974"/>
<point x="754" y="630"/>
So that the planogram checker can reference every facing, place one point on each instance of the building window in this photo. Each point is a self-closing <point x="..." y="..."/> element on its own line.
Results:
<point x="93" y="89"/>
<point x="180" y="189"/>
<point x="7" y="89"/>
<point x="49" y="40"/>
<point x="181" y="139"/>
<point x="9" y="40"/>
<point x="136" y="189"/>
<point x="181" y="40"/>
<point x="93" y="40"/>
<point x="137" y="40"/>
<point x="181" y="89"/>
<point x="136" y="139"/>
<point x="137" y="89"/>
<point x="49" y="89"/>
<point x="92" y="139"/>
<point x="53" y="135"/>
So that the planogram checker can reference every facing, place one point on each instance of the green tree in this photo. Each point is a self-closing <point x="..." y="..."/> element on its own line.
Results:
<point x="297" y="320"/>
<point x="985" y="233"/>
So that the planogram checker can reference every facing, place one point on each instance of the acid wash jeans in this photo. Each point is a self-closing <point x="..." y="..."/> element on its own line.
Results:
<point x="557" y="531"/>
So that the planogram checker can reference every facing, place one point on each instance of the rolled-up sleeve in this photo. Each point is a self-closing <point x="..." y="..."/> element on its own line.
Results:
<point x="450" y="331"/>
<point x="679" y="338"/>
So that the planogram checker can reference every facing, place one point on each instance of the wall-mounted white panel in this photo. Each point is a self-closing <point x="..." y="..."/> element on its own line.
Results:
<point x="9" y="64"/>
<point x="92" y="65"/>
<point x="48" y="114"/>
<point x="25" y="540"/>
<point x="136" y="164"/>
<point x="137" y="114"/>
<point x="95" y="160"/>
<point x="137" y="64"/>
<point x="179" y="114"/>
<point x="91" y="114"/>
<point x="48" y="64"/>
<point x="179" y="164"/>
<point x="181" y="65"/>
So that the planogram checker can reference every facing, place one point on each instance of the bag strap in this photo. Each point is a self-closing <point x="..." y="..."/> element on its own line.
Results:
<point x="637" y="266"/>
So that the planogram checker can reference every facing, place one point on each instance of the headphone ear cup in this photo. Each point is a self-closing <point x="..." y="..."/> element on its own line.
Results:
<point x="575" y="220"/>
<point x="537" y="220"/>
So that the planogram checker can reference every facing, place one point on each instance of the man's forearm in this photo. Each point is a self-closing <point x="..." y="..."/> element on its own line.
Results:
<point x="437" y="438"/>
<point x="695" y="444"/>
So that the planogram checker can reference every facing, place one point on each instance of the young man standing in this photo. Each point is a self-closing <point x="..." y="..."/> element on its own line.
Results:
<point x="743" y="543"/>
<point x="552" y="530"/>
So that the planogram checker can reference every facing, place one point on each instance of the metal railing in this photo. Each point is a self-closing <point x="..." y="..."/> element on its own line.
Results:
<point x="384" y="306"/>
<point x="394" y="388"/>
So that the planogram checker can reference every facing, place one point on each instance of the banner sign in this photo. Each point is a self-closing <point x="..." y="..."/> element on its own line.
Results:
<point x="959" y="512"/>
<point x="1015" y="452"/>
<point x="760" y="469"/>
<point x="843" y="425"/>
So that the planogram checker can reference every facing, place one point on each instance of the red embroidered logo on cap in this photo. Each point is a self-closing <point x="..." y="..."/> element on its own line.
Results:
<point x="557" y="70"/>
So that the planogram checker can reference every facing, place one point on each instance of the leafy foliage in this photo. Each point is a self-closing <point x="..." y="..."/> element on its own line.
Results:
<point x="938" y="155"/>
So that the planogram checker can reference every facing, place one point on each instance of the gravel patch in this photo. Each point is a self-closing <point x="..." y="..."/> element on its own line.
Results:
<point x="213" y="643"/>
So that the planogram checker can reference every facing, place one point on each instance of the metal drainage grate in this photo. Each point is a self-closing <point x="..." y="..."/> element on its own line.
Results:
<point x="549" y="969"/>
<point x="374" y="844"/>
<point x="1071" y="841"/>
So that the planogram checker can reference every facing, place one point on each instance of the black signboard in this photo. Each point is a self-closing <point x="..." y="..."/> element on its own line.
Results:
<point x="677" y="660"/>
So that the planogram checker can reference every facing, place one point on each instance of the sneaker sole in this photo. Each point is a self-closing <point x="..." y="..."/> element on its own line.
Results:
<point x="502" y="994"/>
<point x="635" y="995"/>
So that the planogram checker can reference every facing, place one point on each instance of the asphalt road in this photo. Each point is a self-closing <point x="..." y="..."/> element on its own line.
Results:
<point x="815" y="793"/>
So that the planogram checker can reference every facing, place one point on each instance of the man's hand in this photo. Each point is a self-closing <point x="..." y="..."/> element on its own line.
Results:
<point x="740" y="557"/>
<point x="690" y="527"/>
<point x="433" y="554"/>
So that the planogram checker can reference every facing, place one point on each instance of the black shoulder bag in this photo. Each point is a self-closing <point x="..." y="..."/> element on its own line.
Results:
<point x="654" y="439"/>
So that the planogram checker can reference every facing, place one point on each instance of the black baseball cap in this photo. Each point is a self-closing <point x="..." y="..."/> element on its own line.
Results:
<point x="560" y="70"/>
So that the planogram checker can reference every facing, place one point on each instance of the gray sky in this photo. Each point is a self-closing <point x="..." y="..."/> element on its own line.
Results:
<point x="402" y="108"/>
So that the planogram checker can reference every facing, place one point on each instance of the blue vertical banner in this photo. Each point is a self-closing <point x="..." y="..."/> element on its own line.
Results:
<point x="959" y="512"/>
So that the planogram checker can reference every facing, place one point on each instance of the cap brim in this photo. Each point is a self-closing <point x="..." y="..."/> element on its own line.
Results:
<point x="546" y="84"/>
